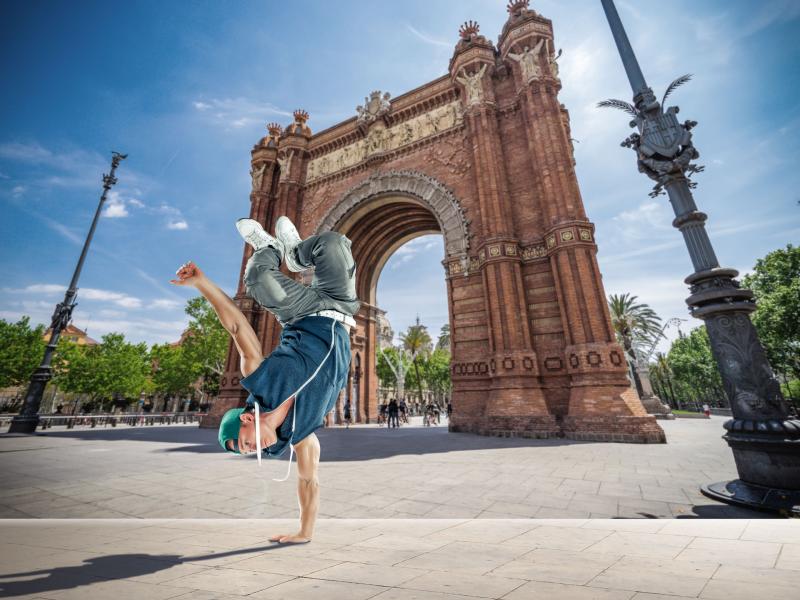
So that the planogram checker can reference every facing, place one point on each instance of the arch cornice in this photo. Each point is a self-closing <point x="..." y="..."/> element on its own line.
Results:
<point x="433" y="194"/>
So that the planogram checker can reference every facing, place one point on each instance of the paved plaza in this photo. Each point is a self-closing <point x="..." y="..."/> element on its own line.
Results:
<point x="414" y="513"/>
<point x="398" y="559"/>
<point x="367" y="472"/>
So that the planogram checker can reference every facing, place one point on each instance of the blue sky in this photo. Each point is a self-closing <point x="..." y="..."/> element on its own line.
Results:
<point x="186" y="88"/>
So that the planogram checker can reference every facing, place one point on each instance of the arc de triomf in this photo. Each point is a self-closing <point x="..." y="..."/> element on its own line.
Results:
<point x="483" y="156"/>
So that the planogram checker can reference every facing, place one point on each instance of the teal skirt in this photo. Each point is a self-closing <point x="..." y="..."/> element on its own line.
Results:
<point x="313" y="356"/>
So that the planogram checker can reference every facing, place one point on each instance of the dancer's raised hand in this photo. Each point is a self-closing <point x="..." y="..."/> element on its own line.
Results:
<point x="188" y="274"/>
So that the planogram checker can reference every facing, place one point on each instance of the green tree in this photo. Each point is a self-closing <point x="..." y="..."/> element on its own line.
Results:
<point x="417" y="341"/>
<point x="436" y="372"/>
<point x="385" y="372"/>
<point x="661" y="375"/>
<point x="173" y="374"/>
<point x="110" y="369"/>
<point x="444" y="337"/>
<point x="636" y="325"/>
<point x="775" y="280"/>
<point x="695" y="374"/>
<point x="205" y="343"/>
<point x="21" y="351"/>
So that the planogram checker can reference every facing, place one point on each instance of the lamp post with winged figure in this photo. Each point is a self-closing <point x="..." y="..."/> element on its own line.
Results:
<point x="763" y="435"/>
<point x="28" y="418"/>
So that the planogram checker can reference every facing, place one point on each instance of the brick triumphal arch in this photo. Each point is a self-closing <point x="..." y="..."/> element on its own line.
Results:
<point x="483" y="156"/>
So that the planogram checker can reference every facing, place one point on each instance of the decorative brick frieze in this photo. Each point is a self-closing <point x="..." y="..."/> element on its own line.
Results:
<point x="594" y="357"/>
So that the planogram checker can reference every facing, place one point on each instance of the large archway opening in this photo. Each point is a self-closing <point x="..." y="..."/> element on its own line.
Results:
<point x="380" y="215"/>
<point x="412" y="321"/>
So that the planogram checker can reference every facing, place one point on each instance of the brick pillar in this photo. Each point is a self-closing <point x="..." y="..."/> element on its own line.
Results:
<point x="262" y="200"/>
<point x="602" y="404"/>
<point x="515" y="404"/>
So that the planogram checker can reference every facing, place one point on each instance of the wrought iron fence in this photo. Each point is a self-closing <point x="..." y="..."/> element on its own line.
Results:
<point x="107" y="419"/>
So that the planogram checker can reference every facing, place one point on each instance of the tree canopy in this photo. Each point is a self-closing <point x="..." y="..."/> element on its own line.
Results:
<point x="21" y="351"/>
<point x="776" y="282"/>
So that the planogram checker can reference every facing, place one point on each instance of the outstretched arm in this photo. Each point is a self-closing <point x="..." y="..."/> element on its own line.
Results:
<point x="230" y="316"/>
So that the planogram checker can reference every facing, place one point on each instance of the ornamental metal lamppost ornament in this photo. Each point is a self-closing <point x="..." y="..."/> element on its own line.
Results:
<point x="28" y="418"/>
<point x="763" y="435"/>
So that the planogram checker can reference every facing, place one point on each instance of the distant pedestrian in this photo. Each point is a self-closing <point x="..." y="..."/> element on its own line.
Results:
<point x="449" y="409"/>
<point x="347" y="415"/>
<point x="403" y="410"/>
<point x="393" y="410"/>
<point x="706" y="410"/>
<point x="382" y="413"/>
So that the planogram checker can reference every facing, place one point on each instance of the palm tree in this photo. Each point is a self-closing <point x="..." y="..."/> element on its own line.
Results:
<point x="418" y="343"/>
<point x="663" y="372"/>
<point x="636" y="325"/>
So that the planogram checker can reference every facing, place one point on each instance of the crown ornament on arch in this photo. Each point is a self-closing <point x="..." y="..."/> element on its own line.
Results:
<point x="274" y="129"/>
<point x="468" y="30"/>
<point x="300" y="116"/>
<point x="516" y="7"/>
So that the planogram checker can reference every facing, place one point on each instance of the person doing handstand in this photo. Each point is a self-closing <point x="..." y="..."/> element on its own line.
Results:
<point x="292" y="389"/>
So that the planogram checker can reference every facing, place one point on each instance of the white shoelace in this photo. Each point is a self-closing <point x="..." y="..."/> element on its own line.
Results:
<point x="294" y="409"/>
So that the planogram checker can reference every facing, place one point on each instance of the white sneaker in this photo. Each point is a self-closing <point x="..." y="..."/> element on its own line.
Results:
<point x="287" y="233"/>
<point x="254" y="234"/>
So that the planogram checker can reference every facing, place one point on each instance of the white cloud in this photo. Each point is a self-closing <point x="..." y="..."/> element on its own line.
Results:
<point x="152" y="331"/>
<point x="115" y="210"/>
<point x="18" y="190"/>
<point x="66" y="167"/>
<point x="428" y="39"/>
<point x="117" y="298"/>
<point x="135" y="202"/>
<point x="179" y="224"/>
<point x="64" y="231"/>
<point x="238" y="112"/>
<point x="644" y="222"/>
<point x="120" y="299"/>
<point x="28" y="153"/>
<point x="400" y="260"/>
<point x="40" y="288"/>
<point x="165" y="303"/>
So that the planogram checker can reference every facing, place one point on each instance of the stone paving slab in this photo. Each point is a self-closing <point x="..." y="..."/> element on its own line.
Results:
<point x="367" y="472"/>
<point x="393" y="559"/>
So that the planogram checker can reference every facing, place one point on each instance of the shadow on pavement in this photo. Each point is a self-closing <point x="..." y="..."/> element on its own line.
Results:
<point x="105" y="568"/>
<point x="358" y="443"/>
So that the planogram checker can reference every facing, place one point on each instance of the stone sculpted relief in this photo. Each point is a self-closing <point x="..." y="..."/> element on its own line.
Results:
<point x="529" y="61"/>
<point x="472" y="84"/>
<point x="257" y="176"/>
<point x="552" y="58"/>
<point x="286" y="164"/>
<point x="381" y="139"/>
<point x="374" y="107"/>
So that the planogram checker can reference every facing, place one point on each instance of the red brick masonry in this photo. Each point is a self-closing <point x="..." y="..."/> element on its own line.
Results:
<point x="484" y="156"/>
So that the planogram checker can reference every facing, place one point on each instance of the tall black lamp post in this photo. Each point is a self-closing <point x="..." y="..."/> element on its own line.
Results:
<point x="763" y="435"/>
<point x="28" y="418"/>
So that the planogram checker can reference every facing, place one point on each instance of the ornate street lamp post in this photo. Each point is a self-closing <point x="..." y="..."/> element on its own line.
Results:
<point x="28" y="418"/>
<point x="764" y="437"/>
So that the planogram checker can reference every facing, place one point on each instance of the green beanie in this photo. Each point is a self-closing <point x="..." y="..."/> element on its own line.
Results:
<point x="229" y="429"/>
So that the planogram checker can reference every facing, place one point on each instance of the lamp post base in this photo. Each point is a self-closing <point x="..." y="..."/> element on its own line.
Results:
<point x="758" y="497"/>
<point x="24" y="424"/>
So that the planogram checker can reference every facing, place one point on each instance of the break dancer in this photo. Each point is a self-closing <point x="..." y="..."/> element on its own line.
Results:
<point x="292" y="389"/>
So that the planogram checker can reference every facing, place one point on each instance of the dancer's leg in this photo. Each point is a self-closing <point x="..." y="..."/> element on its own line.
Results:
<point x="335" y="269"/>
<point x="275" y="291"/>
